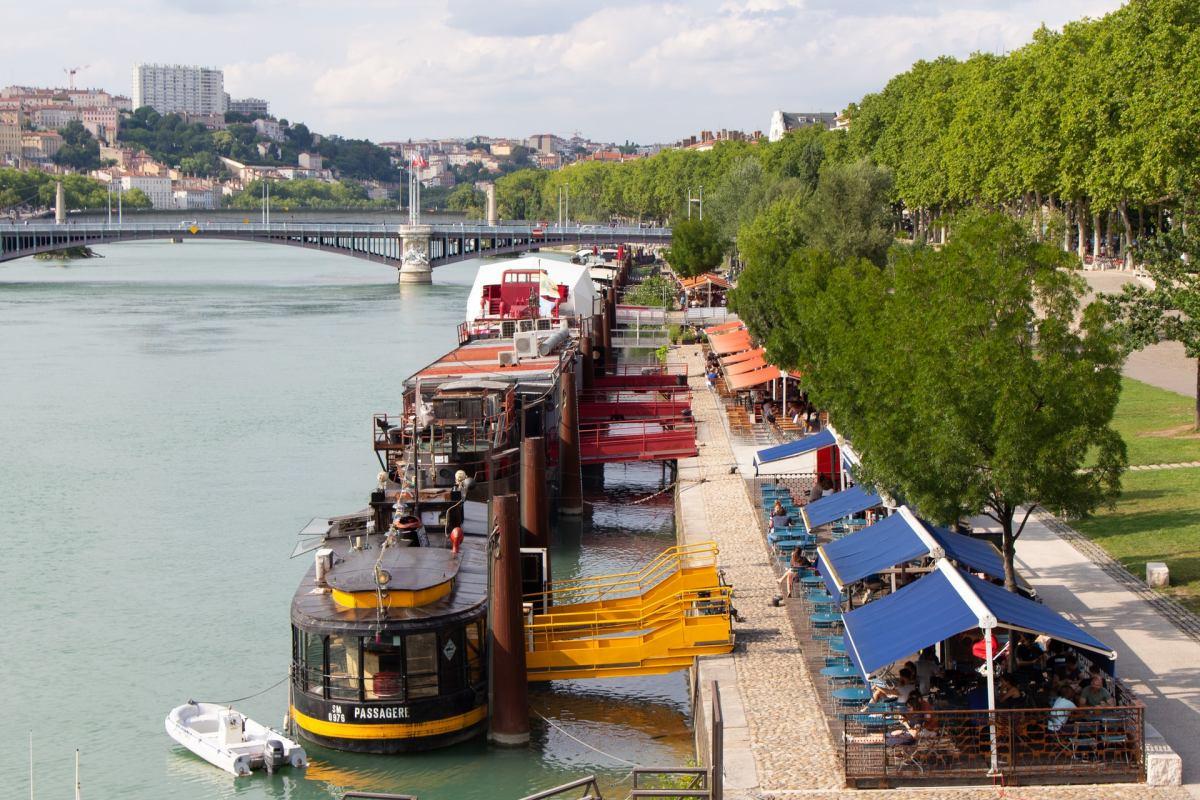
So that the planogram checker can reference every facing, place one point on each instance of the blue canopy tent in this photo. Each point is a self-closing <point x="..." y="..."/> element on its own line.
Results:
<point x="899" y="539"/>
<point x="793" y="449"/>
<point x="836" y="506"/>
<point x="896" y="626"/>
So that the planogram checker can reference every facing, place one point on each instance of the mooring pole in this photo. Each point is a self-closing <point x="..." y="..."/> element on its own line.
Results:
<point x="589" y="368"/>
<point x="510" y="688"/>
<point x="610" y="308"/>
<point x="570" y="501"/>
<point x="606" y="336"/>
<point x="598" y="343"/>
<point x="535" y="513"/>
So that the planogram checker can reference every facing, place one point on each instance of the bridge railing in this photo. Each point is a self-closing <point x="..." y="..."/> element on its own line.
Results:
<point x="529" y="231"/>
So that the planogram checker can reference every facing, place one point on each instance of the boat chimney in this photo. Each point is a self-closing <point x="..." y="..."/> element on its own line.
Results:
<point x="323" y="563"/>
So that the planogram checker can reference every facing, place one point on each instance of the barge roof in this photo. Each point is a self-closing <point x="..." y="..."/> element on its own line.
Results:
<point x="482" y="360"/>
<point x="314" y="609"/>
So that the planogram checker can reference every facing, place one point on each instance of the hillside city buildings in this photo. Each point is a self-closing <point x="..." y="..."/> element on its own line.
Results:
<point x="176" y="89"/>
<point x="31" y="118"/>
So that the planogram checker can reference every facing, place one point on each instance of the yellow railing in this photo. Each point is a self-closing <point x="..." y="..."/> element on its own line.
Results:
<point x="647" y="622"/>
<point x="629" y="584"/>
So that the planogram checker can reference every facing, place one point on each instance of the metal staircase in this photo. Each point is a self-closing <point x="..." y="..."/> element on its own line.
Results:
<point x="650" y="622"/>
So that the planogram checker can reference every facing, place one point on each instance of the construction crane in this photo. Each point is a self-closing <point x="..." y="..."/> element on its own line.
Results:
<point x="71" y="73"/>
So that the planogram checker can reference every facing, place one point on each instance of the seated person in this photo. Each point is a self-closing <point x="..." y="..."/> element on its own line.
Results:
<point x="1008" y="694"/>
<point x="1063" y="703"/>
<point x="917" y="723"/>
<point x="1095" y="693"/>
<point x="816" y="492"/>
<point x="798" y="562"/>
<point x="1028" y="655"/>
<point x="927" y="668"/>
<point x="779" y="517"/>
<point x="902" y="689"/>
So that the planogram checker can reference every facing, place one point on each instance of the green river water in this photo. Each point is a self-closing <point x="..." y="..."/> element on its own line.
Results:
<point x="170" y="417"/>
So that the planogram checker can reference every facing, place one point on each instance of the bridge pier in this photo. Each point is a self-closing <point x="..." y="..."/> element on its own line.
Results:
<point x="414" y="266"/>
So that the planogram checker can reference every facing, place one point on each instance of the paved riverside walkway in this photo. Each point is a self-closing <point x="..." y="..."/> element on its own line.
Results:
<point x="777" y="744"/>
<point x="1164" y="364"/>
<point x="1158" y="648"/>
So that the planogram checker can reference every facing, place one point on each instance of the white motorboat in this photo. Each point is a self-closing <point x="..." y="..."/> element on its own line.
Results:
<point x="231" y="741"/>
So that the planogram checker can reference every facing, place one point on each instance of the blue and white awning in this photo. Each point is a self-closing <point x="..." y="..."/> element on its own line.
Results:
<point x="897" y="540"/>
<point x="839" y="505"/>
<point x="942" y="604"/>
<point x="805" y="444"/>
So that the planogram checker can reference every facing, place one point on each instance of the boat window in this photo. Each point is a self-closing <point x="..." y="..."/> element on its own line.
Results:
<point x="312" y="653"/>
<point x="422" y="665"/>
<point x="474" y="652"/>
<point x="343" y="667"/>
<point x="383" y="668"/>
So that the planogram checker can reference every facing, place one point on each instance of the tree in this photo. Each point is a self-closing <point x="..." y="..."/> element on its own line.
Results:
<point x="468" y="199"/>
<point x="849" y="214"/>
<point x="967" y="385"/>
<point x="79" y="150"/>
<point x="1171" y="310"/>
<point x="696" y="246"/>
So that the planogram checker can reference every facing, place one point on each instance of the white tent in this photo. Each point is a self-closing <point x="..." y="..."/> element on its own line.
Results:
<point x="580" y="299"/>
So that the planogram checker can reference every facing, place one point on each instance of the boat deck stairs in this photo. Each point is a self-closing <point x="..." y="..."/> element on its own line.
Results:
<point x="649" y="622"/>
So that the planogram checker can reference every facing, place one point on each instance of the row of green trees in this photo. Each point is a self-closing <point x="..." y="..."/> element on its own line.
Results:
<point x="959" y="372"/>
<point x="33" y="189"/>
<point x="307" y="193"/>
<point x="1097" y="118"/>
<point x="1090" y="132"/>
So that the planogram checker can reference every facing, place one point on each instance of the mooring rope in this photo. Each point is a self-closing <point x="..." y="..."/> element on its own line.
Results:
<point x="569" y="735"/>
<point x="247" y="697"/>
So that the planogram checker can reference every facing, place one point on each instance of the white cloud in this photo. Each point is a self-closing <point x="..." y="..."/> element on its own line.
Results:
<point x="649" y="71"/>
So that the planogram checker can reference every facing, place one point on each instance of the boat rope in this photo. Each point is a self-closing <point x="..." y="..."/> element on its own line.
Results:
<point x="569" y="735"/>
<point x="247" y="697"/>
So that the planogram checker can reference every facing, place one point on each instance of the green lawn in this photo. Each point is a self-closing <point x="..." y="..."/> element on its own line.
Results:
<point x="1156" y="519"/>
<point x="1156" y="424"/>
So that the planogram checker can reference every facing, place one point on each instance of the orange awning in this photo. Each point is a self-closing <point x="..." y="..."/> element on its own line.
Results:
<point x="704" y="280"/>
<point x="746" y="366"/>
<point x="724" y="327"/>
<point x="748" y="379"/>
<point x="745" y="355"/>
<point x="730" y="342"/>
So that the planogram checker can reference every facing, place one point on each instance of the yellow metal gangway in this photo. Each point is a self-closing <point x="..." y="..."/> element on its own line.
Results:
<point x="638" y="623"/>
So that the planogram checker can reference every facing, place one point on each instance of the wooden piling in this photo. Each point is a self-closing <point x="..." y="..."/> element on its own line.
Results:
<point x="535" y="512"/>
<point x="589" y="368"/>
<point x="570" y="500"/>
<point x="509" y="723"/>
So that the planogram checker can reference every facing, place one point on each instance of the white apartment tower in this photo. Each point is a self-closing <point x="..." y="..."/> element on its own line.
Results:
<point x="178" y="89"/>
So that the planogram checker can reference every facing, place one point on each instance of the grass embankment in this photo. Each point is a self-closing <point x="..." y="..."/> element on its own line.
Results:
<point x="1156" y="425"/>
<point x="1157" y="517"/>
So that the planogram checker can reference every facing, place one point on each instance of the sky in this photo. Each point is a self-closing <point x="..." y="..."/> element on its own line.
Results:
<point x="643" y="71"/>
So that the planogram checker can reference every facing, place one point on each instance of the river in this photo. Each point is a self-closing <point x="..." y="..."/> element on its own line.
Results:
<point x="173" y="414"/>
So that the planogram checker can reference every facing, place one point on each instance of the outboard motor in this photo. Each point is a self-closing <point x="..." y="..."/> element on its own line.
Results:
<point x="273" y="755"/>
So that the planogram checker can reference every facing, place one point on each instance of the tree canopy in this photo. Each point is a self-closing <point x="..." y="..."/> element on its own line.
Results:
<point x="79" y="150"/>
<point x="696" y="246"/>
<point x="960" y="373"/>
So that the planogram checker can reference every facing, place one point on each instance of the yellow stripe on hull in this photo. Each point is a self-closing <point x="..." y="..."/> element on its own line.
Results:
<point x="393" y="598"/>
<point x="389" y="730"/>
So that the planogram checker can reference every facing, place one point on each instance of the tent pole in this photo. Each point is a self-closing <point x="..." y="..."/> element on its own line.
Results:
<point x="991" y="689"/>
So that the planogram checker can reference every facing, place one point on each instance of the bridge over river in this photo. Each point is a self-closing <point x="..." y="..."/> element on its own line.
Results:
<point x="414" y="250"/>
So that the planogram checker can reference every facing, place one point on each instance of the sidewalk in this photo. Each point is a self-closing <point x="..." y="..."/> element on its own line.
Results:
<point x="1163" y="365"/>
<point x="1158" y="660"/>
